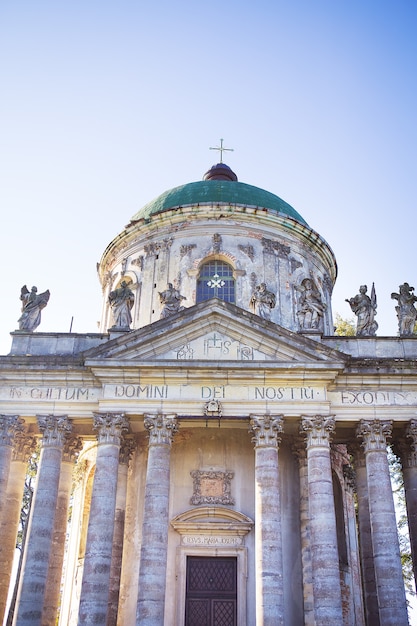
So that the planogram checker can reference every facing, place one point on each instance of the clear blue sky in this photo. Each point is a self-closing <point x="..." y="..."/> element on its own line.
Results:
<point x="105" y="105"/>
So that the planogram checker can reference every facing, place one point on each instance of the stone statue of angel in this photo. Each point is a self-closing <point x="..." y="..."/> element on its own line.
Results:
<point x="32" y="305"/>
<point x="406" y="311"/>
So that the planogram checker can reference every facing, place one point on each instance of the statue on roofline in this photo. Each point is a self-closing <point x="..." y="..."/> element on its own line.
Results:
<point x="32" y="305"/>
<point x="364" y="308"/>
<point x="406" y="311"/>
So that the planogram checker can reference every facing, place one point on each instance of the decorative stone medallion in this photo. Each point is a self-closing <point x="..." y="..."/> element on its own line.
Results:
<point x="211" y="487"/>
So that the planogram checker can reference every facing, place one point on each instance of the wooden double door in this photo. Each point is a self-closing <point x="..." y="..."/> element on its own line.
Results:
<point x="211" y="591"/>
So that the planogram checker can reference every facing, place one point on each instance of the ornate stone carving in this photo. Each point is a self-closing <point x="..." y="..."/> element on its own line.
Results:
<point x="124" y="265"/>
<point x="54" y="429"/>
<point x="110" y="427"/>
<point x="32" y="305"/>
<point x="161" y="428"/>
<point x="171" y="301"/>
<point x="211" y="487"/>
<point x="318" y="429"/>
<point x="72" y="447"/>
<point x="154" y="248"/>
<point x="127" y="448"/>
<point x="406" y="311"/>
<point x="10" y="426"/>
<point x="311" y="309"/>
<point x="364" y="308"/>
<point x="262" y="301"/>
<point x="217" y="242"/>
<point x="186" y="249"/>
<point x="294" y="265"/>
<point x="248" y="250"/>
<point x="121" y="301"/>
<point x="23" y="446"/>
<point x="275" y="247"/>
<point x="266" y="430"/>
<point x="374" y="434"/>
<point x="138" y="261"/>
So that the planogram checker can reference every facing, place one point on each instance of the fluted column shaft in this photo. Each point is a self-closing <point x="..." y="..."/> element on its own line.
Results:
<point x="72" y="446"/>
<point x="126" y="451"/>
<point x="268" y="535"/>
<point x="323" y="533"/>
<point x="96" y="575"/>
<point x="388" y="571"/>
<point x="23" y="446"/>
<point x="365" y="538"/>
<point x="41" y="523"/>
<point x="153" y="559"/>
<point x="9" y="426"/>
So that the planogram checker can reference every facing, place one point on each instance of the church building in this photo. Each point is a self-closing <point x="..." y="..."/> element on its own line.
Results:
<point x="215" y="455"/>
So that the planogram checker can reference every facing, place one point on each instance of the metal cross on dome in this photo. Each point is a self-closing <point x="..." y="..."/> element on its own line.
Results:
<point x="221" y="150"/>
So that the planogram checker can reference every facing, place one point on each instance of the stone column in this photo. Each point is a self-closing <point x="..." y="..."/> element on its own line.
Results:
<point x="266" y="431"/>
<point x="323" y="533"/>
<point x="126" y="451"/>
<point x="388" y="571"/>
<point x="408" y="455"/>
<point x="365" y="537"/>
<point x="300" y="451"/>
<point x="96" y="575"/>
<point x="39" y="539"/>
<point x="153" y="559"/>
<point x="23" y="447"/>
<point x="72" y="446"/>
<point x="9" y="426"/>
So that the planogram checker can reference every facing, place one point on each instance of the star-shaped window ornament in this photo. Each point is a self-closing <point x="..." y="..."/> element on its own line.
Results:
<point x="216" y="281"/>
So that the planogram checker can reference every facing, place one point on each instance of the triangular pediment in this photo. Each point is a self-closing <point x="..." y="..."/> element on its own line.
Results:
<point x="214" y="331"/>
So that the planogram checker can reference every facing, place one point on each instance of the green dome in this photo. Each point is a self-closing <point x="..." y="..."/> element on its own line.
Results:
<point x="216" y="192"/>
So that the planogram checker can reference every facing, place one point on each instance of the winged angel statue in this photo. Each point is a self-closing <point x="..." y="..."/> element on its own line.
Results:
<point x="32" y="305"/>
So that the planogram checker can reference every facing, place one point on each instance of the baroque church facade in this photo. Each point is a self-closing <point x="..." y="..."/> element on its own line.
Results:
<point x="220" y="454"/>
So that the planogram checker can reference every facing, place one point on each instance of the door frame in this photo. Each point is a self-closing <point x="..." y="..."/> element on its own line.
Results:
<point x="181" y="566"/>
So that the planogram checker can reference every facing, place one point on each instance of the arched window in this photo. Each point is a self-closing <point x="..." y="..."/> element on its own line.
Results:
<point x="216" y="281"/>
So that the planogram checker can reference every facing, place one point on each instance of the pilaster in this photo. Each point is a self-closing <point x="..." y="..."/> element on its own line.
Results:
<point x="23" y="446"/>
<point x="388" y="571"/>
<point x="9" y="426"/>
<point x="407" y="449"/>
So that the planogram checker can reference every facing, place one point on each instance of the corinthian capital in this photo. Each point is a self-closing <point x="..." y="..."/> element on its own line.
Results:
<point x="110" y="426"/>
<point x="266" y="430"/>
<point x="374" y="434"/>
<point x="23" y="447"/>
<point x="10" y="425"/>
<point x="318" y="429"/>
<point x="161" y="428"/>
<point x="72" y="447"/>
<point x="54" y="429"/>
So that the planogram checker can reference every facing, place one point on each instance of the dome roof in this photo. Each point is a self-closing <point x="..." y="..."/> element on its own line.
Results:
<point x="217" y="190"/>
